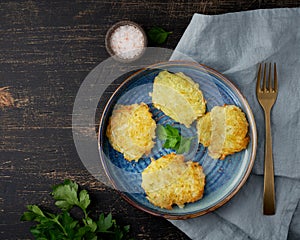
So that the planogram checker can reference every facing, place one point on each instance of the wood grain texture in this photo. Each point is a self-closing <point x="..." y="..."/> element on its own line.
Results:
<point x="47" y="49"/>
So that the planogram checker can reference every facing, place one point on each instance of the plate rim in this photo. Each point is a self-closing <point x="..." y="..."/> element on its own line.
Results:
<point x="249" y="114"/>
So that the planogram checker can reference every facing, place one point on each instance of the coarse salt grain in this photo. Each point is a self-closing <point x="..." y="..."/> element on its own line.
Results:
<point x="127" y="42"/>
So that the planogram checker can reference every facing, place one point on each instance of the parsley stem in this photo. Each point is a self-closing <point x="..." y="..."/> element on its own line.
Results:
<point x="59" y="224"/>
<point x="85" y="215"/>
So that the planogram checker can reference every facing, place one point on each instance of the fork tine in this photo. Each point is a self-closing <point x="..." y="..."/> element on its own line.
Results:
<point x="264" y="88"/>
<point x="275" y="79"/>
<point x="269" y="78"/>
<point x="258" y="79"/>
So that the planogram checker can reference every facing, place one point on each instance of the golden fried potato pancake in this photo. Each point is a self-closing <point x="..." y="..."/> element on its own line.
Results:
<point x="170" y="180"/>
<point x="131" y="130"/>
<point x="178" y="96"/>
<point x="224" y="131"/>
<point x="204" y="129"/>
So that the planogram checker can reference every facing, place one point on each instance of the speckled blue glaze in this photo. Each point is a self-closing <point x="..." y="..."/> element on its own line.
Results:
<point x="222" y="177"/>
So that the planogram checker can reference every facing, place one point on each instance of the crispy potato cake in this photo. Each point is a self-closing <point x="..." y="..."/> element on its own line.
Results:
<point x="131" y="130"/>
<point x="170" y="180"/>
<point x="178" y="96"/>
<point x="204" y="129"/>
<point x="224" y="131"/>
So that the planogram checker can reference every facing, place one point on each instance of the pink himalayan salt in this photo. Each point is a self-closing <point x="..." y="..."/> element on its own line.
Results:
<point x="127" y="41"/>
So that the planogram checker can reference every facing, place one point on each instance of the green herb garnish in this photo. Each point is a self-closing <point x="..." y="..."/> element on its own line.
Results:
<point x="158" y="35"/>
<point x="172" y="139"/>
<point x="64" y="226"/>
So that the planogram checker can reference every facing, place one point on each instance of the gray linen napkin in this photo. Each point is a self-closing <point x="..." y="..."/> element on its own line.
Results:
<point x="234" y="44"/>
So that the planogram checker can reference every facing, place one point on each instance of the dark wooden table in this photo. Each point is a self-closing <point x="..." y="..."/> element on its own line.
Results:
<point x="47" y="49"/>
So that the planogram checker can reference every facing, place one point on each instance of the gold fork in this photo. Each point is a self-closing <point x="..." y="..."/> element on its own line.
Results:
<point x="266" y="95"/>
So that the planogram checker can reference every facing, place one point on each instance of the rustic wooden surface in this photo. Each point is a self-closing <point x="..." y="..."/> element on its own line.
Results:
<point x="46" y="50"/>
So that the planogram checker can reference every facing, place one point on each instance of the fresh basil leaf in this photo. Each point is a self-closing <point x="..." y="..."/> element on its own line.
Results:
<point x="158" y="35"/>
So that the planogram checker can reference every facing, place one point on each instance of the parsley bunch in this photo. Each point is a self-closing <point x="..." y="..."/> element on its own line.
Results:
<point x="63" y="226"/>
<point x="172" y="139"/>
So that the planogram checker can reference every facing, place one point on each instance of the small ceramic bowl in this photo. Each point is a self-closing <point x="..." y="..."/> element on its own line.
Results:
<point x="126" y="41"/>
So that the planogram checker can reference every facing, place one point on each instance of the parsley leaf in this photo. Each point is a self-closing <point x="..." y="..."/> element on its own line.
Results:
<point x="104" y="223"/>
<point x="172" y="139"/>
<point x="161" y="132"/>
<point x="158" y="35"/>
<point x="185" y="145"/>
<point x="65" y="195"/>
<point x="64" y="226"/>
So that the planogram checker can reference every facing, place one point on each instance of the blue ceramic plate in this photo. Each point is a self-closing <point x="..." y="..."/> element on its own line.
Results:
<point x="223" y="178"/>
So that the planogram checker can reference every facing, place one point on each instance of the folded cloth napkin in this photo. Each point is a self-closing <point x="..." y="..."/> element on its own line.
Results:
<point x="234" y="44"/>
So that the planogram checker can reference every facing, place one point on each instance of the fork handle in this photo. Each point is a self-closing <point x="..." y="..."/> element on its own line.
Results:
<point x="269" y="188"/>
